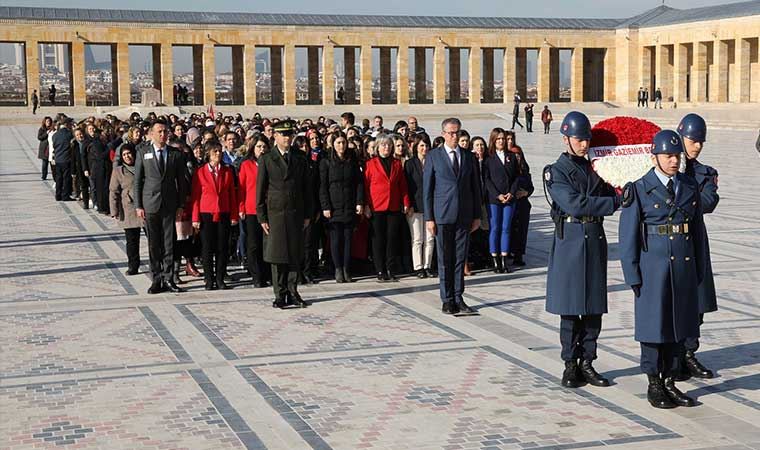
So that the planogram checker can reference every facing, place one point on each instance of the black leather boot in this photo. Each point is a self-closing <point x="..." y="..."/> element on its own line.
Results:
<point x="696" y="369"/>
<point x="347" y="275"/>
<point x="676" y="396"/>
<point x="497" y="267"/>
<point x="339" y="276"/>
<point x="505" y="264"/>
<point x="656" y="393"/>
<point x="591" y="375"/>
<point x="570" y="378"/>
<point x="295" y="299"/>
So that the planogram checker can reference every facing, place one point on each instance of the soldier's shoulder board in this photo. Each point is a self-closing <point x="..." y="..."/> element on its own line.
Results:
<point x="628" y="195"/>
<point x="548" y="174"/>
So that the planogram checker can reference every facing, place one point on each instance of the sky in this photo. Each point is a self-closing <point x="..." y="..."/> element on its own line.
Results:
<point x="484" y="8"/>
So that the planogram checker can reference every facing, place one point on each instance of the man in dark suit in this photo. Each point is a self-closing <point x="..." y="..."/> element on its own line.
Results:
<point x="452" y="195"/>
<point x="160" y="190"/>
<point x="282" y="207"/>
<point x="62" y="158"/>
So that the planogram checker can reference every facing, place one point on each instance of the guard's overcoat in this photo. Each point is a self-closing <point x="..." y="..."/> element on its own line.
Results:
<point x="707" y="180"/>
<point x="667" y="267"/>
<point x="577" y="277"/>
<point x="283" y="201"/>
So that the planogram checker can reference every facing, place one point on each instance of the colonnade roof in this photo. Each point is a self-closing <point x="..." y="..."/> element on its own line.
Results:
<point x="661" y="15"/>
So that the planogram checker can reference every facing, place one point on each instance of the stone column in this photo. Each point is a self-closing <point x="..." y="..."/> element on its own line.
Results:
<point x="122" y="74"/>
<point x="328" y="74"/>
<point x="576" y="75"/>
<point x="420" y="75"/>
<point x="680" y="71"/>
<point x="155" y="51"/>
<point x="646" y="69"/>
<point x="755" y="69"/>
<point x="521" y="74"/>
<point x="474" y="69"/>
<point x="238" y="73"/>
<point x="312" y="58"/>
<point x="349" y="73"/>
<point x="32" y="66"/>
<point x="276" y="74"/>
<point x="385" y="74"/>
<point x="289" y="85"/>
<point x="554" y="74"/>
<point x="365" y="78"/>
<point x="166" y="69"/>
<point x="510" y="74"/>
<point x="544" y="74"/>
<point x="198" y="82"/>
<point x="610" y="87"/>
<point x="699" y="73"/>
<point x="439" y="75"/>
<point x="488" y="75"/>
<point x="249" y="74"/>
<point x="719" y="83"/>
<point x="209" y="74"/>
<point x="77" y="74"/>
<point x="455" y="79"/>
<point x="660" y="63"/>
<point x="742" y="80"/>
<point x="402" y="75"/>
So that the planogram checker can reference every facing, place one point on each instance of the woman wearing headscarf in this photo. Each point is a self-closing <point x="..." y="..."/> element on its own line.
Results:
<point x="122" y="205"/>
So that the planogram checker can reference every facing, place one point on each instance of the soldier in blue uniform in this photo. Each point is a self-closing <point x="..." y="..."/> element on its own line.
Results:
<point x="662" y="254"/>
<point x="693" y="131"/>
<point x="576" y="285"/>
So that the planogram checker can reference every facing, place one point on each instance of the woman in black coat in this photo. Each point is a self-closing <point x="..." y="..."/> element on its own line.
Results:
<point x="341" y="195"/>
<point x="521" y="217"/>
<point x="42" y="150"/>
<point x="501" y="180"/>
<point x="97" y="167"/>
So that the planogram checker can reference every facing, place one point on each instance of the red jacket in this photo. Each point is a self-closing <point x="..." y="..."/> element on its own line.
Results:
<point x="383" y="193"/>
<point x="214" y="196"/>
<point x="249" y="170"/>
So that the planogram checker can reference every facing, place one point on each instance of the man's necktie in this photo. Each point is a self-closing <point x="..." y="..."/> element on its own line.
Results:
<point x="670" y="189"/>
<point x="455" y="163"/>
<point x="161" y="162"/>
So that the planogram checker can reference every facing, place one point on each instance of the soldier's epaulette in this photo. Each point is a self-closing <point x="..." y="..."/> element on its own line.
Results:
<point x="548" y="174"/>
<point x="628" y="195"/>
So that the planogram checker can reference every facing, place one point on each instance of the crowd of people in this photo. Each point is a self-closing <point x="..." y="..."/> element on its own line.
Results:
<point x="362" y="192"/>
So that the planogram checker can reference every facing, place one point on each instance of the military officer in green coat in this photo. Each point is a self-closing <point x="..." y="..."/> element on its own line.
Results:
<point x="282" y="206"/>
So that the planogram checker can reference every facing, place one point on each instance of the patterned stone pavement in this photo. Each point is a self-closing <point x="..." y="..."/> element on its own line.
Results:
<point x="89" y="360"/>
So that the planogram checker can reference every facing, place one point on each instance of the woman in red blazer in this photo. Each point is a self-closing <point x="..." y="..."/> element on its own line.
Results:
<point x="215" y="208"/>
<point x="254" y="235"/>
<point x="387" y="197"/>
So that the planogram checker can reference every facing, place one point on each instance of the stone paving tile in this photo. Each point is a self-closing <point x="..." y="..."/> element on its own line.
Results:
<point x="483" y="397"/>
<point x="73" y="341"/>
<point x="243" y="329"/>
<point x="161" y="411"/>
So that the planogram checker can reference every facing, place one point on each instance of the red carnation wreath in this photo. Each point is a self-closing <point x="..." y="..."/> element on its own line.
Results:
<point x="620" y="149"/>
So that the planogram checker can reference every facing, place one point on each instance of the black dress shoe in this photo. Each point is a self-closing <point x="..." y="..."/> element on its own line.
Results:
<point x="279" y="302"/>
<point x="696" y="369"/>
<point x="570" y="378"/>
<point x="259" y="284"/>
<point x="421" y="274"/>
<point x="223" y="286"/>
<point x="381" y="277"/>
<point x="448" y="308"/>
<point x="172" y="287"/>
<point x="210" y="286"/>
<point x="391" y="277"/>
<point x="463" y="308"/>
<point x="339" y="278"/>
<point x="131" y="272"/>
<point x="676" y="396"/>
<point x="656" y="393"/>
<point x="295" y="299"/>
<point x="156" y="288"/>
<point x="347" y="276"/>
<point x="592" y="376"/>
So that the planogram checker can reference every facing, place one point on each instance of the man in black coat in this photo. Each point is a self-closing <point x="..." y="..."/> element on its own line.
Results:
<point x="160" y="191"/>
<point x="62" y="158"/>
<point x="282" y="207"/>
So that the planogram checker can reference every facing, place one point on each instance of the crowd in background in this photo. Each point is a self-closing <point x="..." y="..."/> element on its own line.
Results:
<point x="365" y="191"/>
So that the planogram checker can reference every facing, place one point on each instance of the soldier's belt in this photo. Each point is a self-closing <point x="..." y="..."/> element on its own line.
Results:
<point x="584" y="219"/>
<point x="668" y="229"/>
